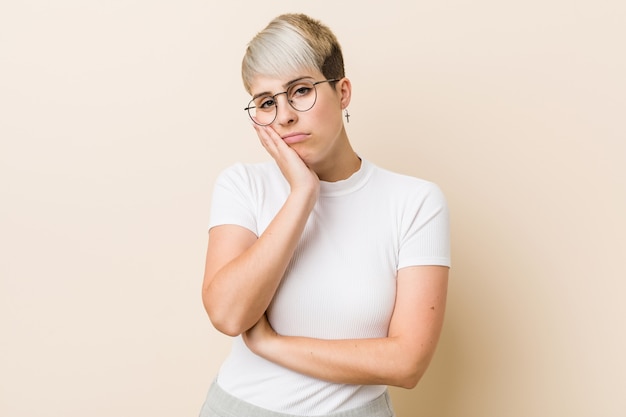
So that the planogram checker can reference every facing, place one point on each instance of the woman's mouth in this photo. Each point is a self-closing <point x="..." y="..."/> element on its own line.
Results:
<point x="295" y="137"/>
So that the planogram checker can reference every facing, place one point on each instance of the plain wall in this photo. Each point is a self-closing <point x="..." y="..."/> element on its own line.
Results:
<point x="116" y="117"/>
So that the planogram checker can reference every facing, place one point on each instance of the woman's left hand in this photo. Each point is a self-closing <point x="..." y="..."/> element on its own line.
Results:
<point x="258" y="335"/>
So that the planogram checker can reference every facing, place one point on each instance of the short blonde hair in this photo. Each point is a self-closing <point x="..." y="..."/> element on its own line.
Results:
<point x="291" y="43"/>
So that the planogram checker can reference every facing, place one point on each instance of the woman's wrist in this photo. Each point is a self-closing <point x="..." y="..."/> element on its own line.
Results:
<point x="305" y="195"/>
<point x="269" y="346"/>
<point x="261" y="339"/>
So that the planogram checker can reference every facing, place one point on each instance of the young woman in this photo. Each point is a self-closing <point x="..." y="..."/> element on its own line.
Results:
<point x="330" y="272"/>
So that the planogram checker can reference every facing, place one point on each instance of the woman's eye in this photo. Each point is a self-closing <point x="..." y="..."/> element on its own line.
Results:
<point x="301" y="91"/>
<point x="267" y="103"/>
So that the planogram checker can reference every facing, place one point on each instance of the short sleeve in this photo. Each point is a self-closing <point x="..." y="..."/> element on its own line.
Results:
<point x="425" y="234"/>
<point x="233" y="201"/>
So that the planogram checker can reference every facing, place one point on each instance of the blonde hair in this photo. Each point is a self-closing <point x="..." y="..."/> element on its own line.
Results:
<point x="291" y="43"/>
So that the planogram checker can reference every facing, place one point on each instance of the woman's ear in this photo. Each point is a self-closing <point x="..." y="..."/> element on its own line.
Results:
<point x="345" y="91"/>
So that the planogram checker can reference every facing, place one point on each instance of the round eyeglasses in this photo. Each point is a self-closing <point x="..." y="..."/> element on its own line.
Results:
<point x="301" y="96"/>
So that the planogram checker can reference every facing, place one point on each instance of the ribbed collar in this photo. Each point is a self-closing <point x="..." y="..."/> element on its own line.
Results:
<point x="350" y="184"/>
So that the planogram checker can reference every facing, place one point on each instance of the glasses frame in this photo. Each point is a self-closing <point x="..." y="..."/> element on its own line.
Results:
<point x="252" y="106"/>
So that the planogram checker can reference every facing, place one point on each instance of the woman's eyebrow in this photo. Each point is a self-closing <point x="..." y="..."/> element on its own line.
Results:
<point x="285" y="86"/>
<point x="265" y="93"/>
<point x="296" y="80"/>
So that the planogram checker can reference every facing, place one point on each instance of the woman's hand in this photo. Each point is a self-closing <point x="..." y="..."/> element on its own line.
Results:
<point x="257" y="337"/>
<point x="296" y="172"/>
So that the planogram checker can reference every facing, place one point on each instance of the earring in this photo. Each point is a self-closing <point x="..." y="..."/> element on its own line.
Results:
<point x="347" y="116"/>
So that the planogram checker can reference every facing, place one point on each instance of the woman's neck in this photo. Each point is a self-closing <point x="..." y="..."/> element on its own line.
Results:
<point x="340" y="168"/>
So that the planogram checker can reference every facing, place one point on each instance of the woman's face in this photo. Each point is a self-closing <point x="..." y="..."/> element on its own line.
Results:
<point x="317" y="135"/>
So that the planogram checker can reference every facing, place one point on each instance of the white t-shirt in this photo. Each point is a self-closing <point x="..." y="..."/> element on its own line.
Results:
<point x="341" y="281"/>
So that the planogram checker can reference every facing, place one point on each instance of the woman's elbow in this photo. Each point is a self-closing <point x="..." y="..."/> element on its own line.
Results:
<point x="223" y="320"/>
<point x="408" y="375"/>
<point x="226" y="322"/>
<point x="409" y="381"/>
<point x="228" y="327"/>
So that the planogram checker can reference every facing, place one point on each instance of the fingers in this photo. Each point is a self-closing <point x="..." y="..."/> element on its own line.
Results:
<point x="293" y="168"/>
<point x="270" y="140"/>
<point x="276" y="147"/>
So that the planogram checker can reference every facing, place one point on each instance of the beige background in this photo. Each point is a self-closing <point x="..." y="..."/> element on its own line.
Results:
<point x="116" y="116"/>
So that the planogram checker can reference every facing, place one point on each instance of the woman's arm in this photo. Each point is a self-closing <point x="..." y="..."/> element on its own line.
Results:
<point x="400" y="359"/>
<point x="242" y="272"/>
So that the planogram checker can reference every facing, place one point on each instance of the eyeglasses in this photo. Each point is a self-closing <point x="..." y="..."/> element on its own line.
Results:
<point x="301" y="96"/>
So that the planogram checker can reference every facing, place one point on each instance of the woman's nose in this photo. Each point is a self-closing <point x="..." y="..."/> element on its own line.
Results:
<point x="285" y="114"/>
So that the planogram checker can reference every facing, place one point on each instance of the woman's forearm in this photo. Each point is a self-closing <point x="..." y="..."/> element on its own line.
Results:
<point x="381" y="361"/>
<point x="400" y="359"/>
<point x="240" y="284"/>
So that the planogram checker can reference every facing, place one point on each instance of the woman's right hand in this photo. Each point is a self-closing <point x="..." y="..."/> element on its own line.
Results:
<point x="243" y="271"/>
<point x="299" y="176"/>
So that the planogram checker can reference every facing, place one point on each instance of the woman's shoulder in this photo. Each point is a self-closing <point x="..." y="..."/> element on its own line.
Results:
<point x="249" y="170"/>
<point x="255" y="175"/>
<point x="405" y="183"/>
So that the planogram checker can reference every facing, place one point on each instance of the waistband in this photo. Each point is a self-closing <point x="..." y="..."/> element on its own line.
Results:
<point x="219" y="403"/>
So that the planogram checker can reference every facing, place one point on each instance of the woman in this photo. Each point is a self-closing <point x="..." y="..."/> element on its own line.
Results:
<point x="331" y="273"/>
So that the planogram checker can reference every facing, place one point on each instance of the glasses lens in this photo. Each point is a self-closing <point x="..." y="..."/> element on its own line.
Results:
<point x="262" y="110"/>
<point x="302" y="95"/>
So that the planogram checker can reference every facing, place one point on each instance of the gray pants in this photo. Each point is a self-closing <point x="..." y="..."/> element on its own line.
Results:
<point x="219" y="403"/>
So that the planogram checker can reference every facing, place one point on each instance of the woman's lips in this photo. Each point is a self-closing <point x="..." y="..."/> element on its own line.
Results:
<point x="295" y="137"/>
